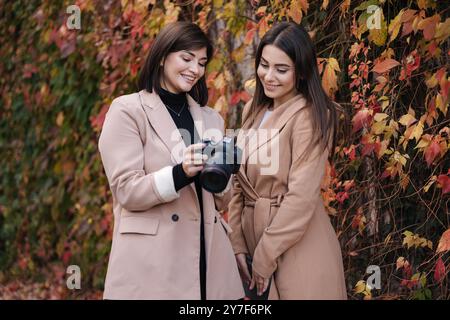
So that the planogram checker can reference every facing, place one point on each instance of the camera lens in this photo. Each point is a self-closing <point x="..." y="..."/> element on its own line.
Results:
<point x="214" y="179"/>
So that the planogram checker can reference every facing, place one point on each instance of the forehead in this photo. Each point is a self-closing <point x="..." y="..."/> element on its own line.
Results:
<point x="275" y="55"/>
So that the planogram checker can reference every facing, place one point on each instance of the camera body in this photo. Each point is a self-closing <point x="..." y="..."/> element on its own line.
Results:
<point x="224" y="159"/>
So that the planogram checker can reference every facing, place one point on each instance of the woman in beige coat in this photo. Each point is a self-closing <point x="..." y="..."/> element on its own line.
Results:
<point x="282" y="236"/>
<point x="169" y="240"/>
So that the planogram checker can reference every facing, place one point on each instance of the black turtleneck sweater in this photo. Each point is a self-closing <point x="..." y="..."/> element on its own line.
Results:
<point x="178" y="108"/>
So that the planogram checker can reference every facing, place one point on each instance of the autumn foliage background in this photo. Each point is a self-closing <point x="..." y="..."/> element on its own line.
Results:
<point x="387" y="190"/>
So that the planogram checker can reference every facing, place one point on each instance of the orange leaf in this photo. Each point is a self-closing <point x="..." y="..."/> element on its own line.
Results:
<point x="428" y="26"/>
<point x="384" y="66"/>
<point x="329" y="79"/>
<point x="444" y="243"/>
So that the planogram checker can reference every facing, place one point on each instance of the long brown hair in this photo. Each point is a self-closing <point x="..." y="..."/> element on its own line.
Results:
<point x="175" y="37"/>
<point x="296" y="43"/>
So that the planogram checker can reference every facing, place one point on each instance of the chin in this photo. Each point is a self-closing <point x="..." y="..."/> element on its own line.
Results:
<point x="270" y="94"/>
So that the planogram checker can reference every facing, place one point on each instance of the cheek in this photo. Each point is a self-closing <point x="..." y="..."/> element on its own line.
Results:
<point x="288" y="79"/>
<point x="261" y="73"/>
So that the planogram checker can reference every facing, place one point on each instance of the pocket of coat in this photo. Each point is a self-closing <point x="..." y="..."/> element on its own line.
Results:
<point x="139" y="225"/>
<point x="225" y="224"/>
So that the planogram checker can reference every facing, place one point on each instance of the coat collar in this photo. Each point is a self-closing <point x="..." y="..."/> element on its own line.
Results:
<point x="163" y="124"/>
<point x="273" y="125"/>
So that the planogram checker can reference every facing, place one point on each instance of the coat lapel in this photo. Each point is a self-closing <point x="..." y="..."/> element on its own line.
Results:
<point x="270" y="129"/>
<point x="162" y="122"/>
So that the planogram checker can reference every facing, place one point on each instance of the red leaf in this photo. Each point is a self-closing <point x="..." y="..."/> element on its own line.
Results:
<point x="432" y="152"/>
<point x="361" y="119"/>
<point x="66" y="257"/>
<point x="439" y="270"/>
<point x="341" y="196"/>
<point x="444" y="181"/>
<point x="97" y="121"/>
<point x="249" y="36"/>
<point x="386" y="65"/>
<point x="367" y="149"/>
<point x="235" y="98"/>
<point x="245" y="96"/>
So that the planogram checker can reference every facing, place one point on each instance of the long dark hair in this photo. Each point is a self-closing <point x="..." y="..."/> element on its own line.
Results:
<point x="296" y="43"/>
<point x="175" y="37"/>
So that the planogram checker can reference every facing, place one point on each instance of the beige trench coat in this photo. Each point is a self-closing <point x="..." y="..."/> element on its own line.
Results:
<point x="276" y="212"/>
<point x="156" y="239"/>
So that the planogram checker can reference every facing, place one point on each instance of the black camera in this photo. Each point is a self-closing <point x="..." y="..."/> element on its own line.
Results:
<point x="224" y="159"/>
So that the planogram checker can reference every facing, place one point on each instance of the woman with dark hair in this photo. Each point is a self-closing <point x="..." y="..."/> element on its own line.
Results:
<point x="282" y="236"/>
<point x="169" y="240"/>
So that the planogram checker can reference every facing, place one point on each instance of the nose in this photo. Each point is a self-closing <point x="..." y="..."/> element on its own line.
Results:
<point x="194" y="68"/>
<point x="269" y="75"/>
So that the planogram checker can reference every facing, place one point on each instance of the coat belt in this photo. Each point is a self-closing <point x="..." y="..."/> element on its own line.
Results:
<point x="261" y="212"/>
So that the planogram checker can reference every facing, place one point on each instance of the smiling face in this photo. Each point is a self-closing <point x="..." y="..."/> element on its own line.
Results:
<point x="277" y="74"/>
<point x="182" y="70"/>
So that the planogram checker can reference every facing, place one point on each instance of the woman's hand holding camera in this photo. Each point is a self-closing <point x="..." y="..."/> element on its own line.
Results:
<point x="194" y="159"/>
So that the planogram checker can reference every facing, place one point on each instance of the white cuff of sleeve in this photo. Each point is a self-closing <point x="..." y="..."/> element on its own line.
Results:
<point x="227" y="188"/>
<point x="165" y="185"/>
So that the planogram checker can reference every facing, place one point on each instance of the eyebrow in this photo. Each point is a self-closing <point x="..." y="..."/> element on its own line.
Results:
<point x="192" y="54"/>
<point x="278" y="64"/>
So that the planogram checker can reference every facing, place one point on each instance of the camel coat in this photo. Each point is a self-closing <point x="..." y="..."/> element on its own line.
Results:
<point x="156" y="239"/>
<point x="276" y="212"/>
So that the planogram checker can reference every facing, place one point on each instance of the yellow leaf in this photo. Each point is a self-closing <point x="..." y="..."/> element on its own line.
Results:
<point x="384" y="101"/>
<point x="440" y="104"/>
<point x="408" y="240"/>
<point x="379" y="35"/>
<point x="378" y="127"/>
<point x="221" y="104"/>
<point x="250" y="86"/>
<point x="334" y="64"/>
<point x="400" y="262"/>
<point x="407" y="120"/>
<point x="431" y="82"/>
<point x="417" y="132"/>
<point x="59" y="119"/>
<point x="261" y="10"/>
<point x="388" y="239"/>
<point x="360" y="286"/>
<point x="238" y="54"/>
<point x="219" y="81"/>
<point x="442" y="30"/>
<point x="394" y="26"/>
<point x="430" y="183"/>
<point x="422" y="144"/>
<point x="380" y="116"/>
<point x="325" y="4"/>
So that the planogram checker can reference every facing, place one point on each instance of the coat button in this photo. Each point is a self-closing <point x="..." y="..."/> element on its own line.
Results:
<point x="215" y="219"/>
<point x="175" y="217"/>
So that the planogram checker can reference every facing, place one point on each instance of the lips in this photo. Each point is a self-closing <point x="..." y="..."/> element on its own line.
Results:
<point x="188" y="78"/>
<point x="270" y="87"/>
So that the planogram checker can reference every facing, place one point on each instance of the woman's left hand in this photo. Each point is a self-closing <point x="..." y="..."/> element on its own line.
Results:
<point x="260" y="282"/>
